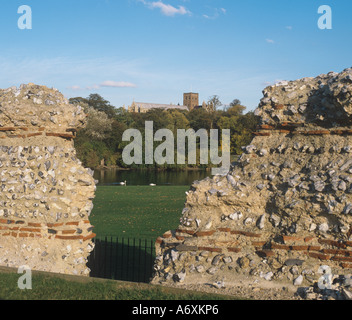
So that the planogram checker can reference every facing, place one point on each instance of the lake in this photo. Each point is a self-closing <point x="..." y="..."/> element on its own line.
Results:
<point x="146" y="177"/>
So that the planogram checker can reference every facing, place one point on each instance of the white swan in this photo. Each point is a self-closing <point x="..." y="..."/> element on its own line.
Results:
<point x="123" y="183"/>
<point x="152" y="185"/>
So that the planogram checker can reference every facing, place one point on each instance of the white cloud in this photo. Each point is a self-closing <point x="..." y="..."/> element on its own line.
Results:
<point x="108" y="84"/>
<point x="75" y="87"/>
<point x="166" y="9"/>
<point x="289" y="27"/>
<point x="93" y="87"/>
<point x="270" y="41"/>
<point x="117" y="84"/>
<point x="216" y="14"/>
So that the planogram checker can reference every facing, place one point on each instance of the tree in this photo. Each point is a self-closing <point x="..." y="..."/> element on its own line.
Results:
<point x="78" y="100"/>
<point x="235" y="102"/>
<point x="178" y="121"/>
<point x="200" y="119"/>
<point x="99" y="125"/>
<point x="213" y="103"/>
<point x="241" y="126"/>
<point x="236" y="108"/>
<point x="97" y="102"/>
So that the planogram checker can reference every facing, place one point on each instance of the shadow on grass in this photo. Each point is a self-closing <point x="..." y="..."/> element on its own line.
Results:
<point x="122" y="259"/>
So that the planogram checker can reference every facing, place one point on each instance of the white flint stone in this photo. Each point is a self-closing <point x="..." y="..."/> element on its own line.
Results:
<point x="298" y="281"/>
<point x="324" y="227"/>
<point x="261" y="222"/>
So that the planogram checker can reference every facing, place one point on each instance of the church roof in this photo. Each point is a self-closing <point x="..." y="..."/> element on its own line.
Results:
<point x="150" y="106"/>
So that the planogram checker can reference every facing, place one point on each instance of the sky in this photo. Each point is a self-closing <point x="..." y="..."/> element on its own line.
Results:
<point x="155" y="50"/>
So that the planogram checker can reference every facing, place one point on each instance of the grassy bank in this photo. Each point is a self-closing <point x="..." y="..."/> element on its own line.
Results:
<point x="61" y="287"/>
<point x="137" y="211"/>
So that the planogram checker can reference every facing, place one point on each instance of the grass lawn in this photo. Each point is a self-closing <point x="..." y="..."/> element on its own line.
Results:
<point x="62" y="287"/>
<point x="137" y="211"/>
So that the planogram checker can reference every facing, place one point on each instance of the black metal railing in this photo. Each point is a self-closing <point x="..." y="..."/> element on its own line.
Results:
<point x="126" y="259"/>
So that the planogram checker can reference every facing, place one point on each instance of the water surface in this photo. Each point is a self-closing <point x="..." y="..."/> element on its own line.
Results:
<point x="147" y="177"/>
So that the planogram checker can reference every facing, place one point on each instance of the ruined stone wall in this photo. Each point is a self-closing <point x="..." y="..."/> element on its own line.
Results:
<point x="285" y="208"/>
<point x="45" y="193"/>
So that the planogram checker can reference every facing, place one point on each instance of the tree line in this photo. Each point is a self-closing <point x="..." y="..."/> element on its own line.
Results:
<point x="100" y="143"/>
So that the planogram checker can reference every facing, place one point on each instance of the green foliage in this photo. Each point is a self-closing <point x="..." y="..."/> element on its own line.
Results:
<point x="101" y="141"/>
<point x="99" y="103"/>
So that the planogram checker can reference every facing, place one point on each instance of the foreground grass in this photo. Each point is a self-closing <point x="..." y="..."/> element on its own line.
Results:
<point x="56" y="287"/>
<point x="137" y="211"/>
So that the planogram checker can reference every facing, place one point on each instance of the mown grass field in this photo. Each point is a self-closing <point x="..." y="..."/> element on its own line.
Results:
<point x="62" y="287"/>
<point x="137" y="211"/>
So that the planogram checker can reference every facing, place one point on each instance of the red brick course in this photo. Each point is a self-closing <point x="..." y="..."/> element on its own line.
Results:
<point x="210" y="249"/>
<point x="246" y="234"/>
<point x="204" y="233"/>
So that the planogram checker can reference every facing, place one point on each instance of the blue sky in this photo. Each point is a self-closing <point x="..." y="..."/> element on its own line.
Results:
<point x="154" y="50"/>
